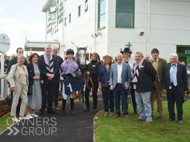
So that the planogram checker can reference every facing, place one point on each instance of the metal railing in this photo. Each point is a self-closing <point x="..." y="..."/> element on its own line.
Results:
<point x="4" y="89"/>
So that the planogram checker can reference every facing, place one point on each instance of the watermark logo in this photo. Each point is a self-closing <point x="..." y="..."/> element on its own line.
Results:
<point x="39" y="126"/>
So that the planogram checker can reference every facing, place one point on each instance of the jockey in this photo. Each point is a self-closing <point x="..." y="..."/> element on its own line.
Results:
<point x="67" y="67"/>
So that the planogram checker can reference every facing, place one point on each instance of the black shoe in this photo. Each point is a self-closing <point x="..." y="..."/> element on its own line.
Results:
<point x="94" y="110"/>
<point x="63" y="112"/>
<point x="72" y="112"/>
<point x="51" y="112"/>
<point x="41" y="112"/>
<point x="86" y="109"/>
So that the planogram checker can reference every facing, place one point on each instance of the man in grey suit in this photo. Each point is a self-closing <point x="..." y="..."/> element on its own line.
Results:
<point x="120" y="77"/>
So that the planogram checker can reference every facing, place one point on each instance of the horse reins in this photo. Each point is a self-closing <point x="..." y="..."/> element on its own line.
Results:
<point x="86" y="80"/>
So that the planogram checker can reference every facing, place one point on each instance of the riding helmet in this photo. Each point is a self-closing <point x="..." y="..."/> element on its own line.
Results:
<point x="70" y="51"/>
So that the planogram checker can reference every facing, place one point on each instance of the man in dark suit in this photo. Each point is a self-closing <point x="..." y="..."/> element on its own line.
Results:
<point x="175" y="86"/>
<point x="60" y="61"/>
<point x="13" y="61"/>
<point x="49" y="69"/>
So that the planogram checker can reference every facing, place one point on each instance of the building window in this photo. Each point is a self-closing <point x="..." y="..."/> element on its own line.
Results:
<point x="125" y="10"/>
<point x="101" y="14"/>
<point x="52" y="16"/>
<point x="69" y="18"/>
<point x="65" y="21"/>
<point x="53" y="3"/>
<point x="86" y="6"/>
<point x="79" y="11"/>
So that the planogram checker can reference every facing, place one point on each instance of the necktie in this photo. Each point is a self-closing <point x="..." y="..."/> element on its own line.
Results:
<point x="174" y="75"/>
<point x="49" y="59"/>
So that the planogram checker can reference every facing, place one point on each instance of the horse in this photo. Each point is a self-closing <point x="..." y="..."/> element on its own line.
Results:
<point x="81" y="61"/>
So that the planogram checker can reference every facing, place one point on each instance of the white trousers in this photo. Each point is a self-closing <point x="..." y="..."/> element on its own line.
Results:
<point x="65" y="96"/>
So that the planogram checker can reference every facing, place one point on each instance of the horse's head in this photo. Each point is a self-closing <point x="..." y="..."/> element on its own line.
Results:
<point x="81" y="55"/>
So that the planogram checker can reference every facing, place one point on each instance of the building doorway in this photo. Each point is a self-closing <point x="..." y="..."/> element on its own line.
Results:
<point x="183" y="52"/>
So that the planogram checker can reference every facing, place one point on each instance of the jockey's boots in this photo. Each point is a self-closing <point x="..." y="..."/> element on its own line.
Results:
<point x="63" y="107"/>
<point x="72" y="105"/>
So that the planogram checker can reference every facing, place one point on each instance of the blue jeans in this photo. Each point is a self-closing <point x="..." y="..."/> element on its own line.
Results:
<point x="144" y="104"/>
<point x="107" y="94"/>
<point x="119" y="90"/>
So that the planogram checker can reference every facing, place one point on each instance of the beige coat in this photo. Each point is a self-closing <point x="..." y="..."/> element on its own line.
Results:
<point x="13" y="75"/>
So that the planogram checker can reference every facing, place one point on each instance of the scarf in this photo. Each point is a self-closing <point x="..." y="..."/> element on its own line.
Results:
<point x="135" y="73"/>
<point x="49" y="63"/>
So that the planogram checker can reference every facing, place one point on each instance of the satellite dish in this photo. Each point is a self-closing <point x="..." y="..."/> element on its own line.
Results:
<point x="4" y="43"/>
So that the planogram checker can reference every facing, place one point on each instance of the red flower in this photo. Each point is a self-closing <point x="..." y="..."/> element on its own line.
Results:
<point x="2" y="113"/>
<point x="0" y="106"/>
<point x="75" y="97"/>
<point x="189" y="90"/>
<point x="78" y="94"/>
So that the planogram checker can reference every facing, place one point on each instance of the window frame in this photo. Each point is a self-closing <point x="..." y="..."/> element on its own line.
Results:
<point x="70" y="18"/>
<point x="133" y="26"/>
<point x="86" y="8"/>
<point x="65" y="21"/>
<point x="79" y="10"/>
<point x="99" y="2"/>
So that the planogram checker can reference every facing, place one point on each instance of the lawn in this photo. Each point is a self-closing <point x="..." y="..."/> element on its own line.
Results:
<point x="109" y="129"/>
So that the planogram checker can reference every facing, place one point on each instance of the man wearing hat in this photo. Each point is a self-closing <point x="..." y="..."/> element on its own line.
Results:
<point x="104" y="85"/>
<point x="127" y="59"/>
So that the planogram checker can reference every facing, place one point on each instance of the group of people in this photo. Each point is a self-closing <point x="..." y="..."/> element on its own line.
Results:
<point x="37" y="83"/>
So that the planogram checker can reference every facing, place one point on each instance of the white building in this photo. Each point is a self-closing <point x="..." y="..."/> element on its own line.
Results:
<point x="105" y="26"/>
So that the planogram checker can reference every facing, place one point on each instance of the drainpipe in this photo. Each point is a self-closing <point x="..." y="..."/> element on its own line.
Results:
<point x="95" y="28"/>
<point x="148" y="29"/>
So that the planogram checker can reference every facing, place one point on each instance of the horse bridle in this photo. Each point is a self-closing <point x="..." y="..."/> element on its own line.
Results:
<point x="86" y="80"/>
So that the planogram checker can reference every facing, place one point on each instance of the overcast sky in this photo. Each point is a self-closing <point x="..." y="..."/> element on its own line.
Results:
<point x="21" y="19"/>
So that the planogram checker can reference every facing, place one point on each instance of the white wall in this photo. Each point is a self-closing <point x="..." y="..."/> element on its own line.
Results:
<point x="81" y="28"/>
<point x="169" y="26"/>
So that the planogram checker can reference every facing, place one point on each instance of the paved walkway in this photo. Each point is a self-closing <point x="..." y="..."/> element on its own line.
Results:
<point x="70" y="128"/>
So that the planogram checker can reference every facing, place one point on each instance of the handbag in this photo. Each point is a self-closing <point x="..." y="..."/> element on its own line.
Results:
<point x="30" y="86"/>
<point x="185" y="98"/>
<point x="30" y="89"/>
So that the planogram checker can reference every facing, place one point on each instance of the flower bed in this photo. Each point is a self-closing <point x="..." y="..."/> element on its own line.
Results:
<point x="5" y="106"/>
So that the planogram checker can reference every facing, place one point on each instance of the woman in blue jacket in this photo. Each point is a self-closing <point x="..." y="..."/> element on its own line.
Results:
<point x="104" y="80"/>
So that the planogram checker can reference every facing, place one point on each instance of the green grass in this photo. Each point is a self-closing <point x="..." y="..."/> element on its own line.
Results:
<point x="109" y="129"/>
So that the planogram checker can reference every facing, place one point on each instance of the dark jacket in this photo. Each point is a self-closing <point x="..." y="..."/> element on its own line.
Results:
<point x="31" y="74"/>
<point x="12" y="62"/>
<point x="147" y="75"/>
<point x="59" y="60"/>
<point x="44" y="71"/>
<point x="161" y="71"/>
<point x="104" y="75"/>
<point x="93" y="67"/>
<point x="181" y="78"/>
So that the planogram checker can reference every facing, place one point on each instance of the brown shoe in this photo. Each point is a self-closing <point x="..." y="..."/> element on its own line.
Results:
<point x="170" y="120"/>
<point x="126" y="116"/>
<point x="148" y="122"/>
<point x="115" y="116"/>
<point x="180" y="121"/>
<point x="159" y="118"/>
<point x="138" y="119"/>
<point x="136" y="112"/>
<point x="57" y="108"/>
<point x="122" y="112"/>
<point x="45" y="109"/>
<point x="106" y="114"/>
